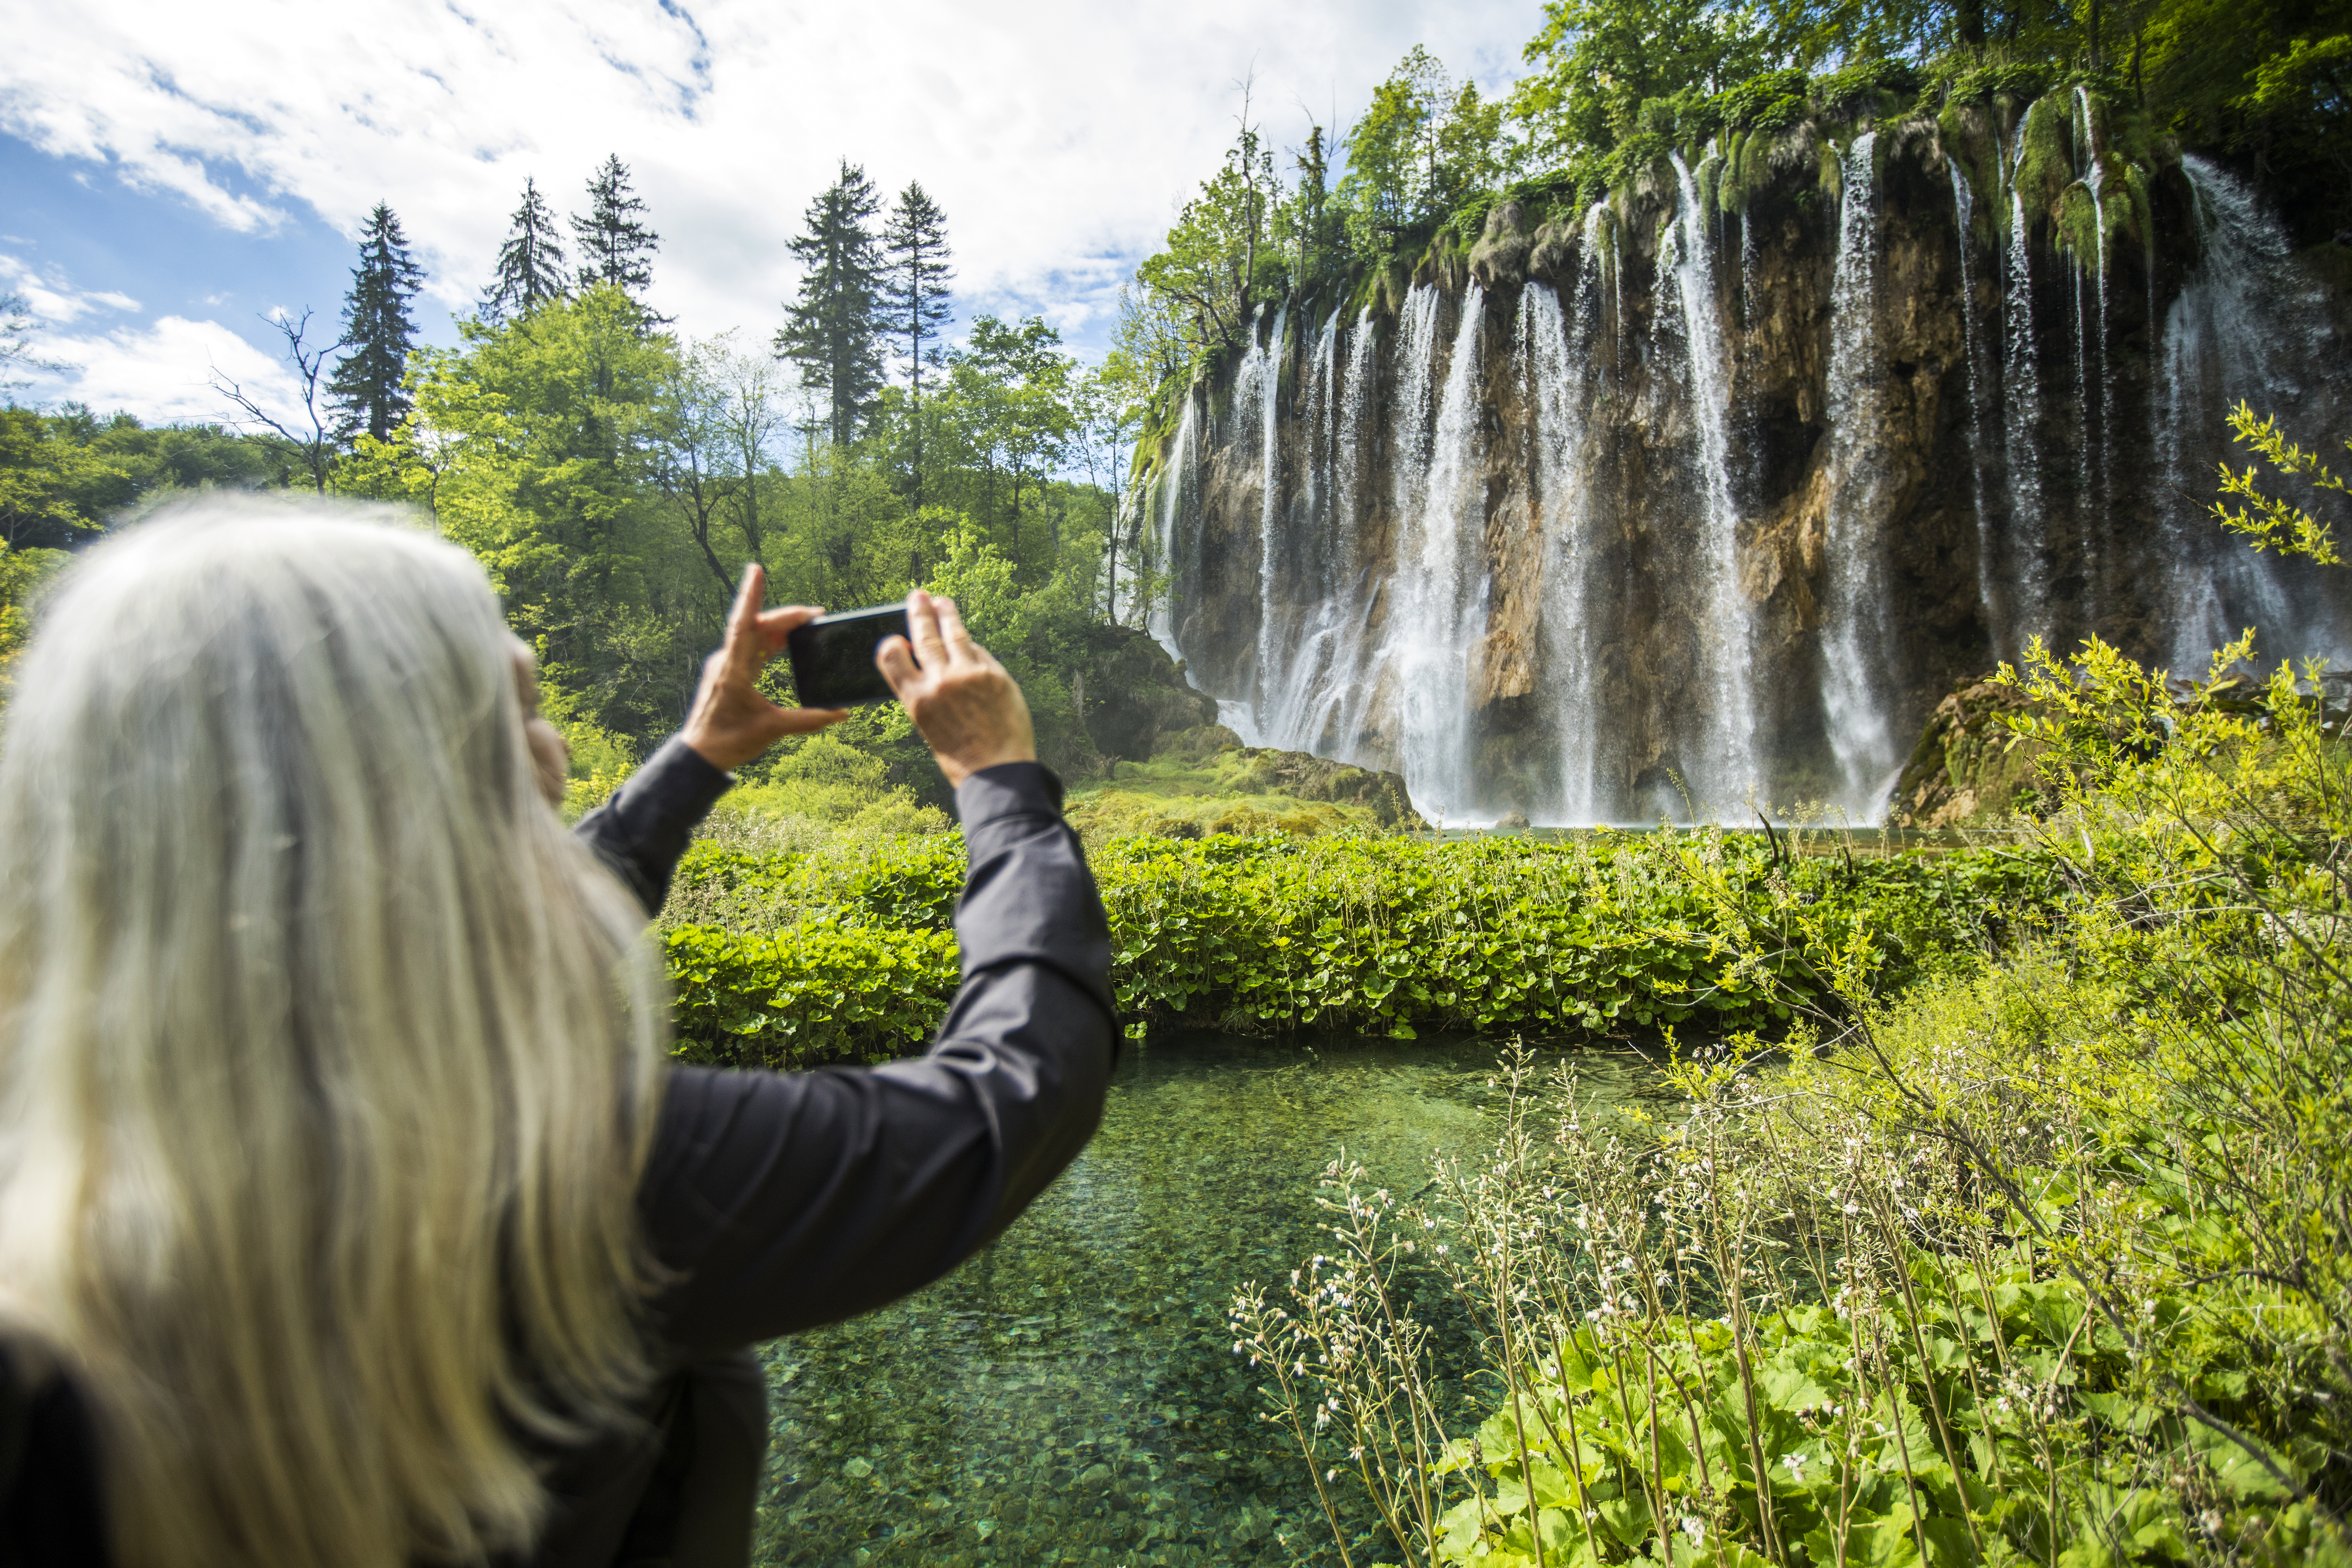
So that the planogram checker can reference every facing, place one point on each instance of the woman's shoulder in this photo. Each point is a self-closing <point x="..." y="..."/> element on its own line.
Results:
<point x="49" y="1507"/>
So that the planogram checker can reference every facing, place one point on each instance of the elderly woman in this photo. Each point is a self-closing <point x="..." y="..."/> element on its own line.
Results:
<point x="350" y="1210"/>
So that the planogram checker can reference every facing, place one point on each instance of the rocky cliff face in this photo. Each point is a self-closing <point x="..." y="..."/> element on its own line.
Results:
<point x="1703" y="499"/>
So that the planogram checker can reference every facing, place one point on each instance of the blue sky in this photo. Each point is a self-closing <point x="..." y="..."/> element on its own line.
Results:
<point x="171" y="174"/>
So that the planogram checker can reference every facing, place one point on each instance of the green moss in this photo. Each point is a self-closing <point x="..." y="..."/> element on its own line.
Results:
<point x="2047" y="167"/>
<point x="1708" y="177"/>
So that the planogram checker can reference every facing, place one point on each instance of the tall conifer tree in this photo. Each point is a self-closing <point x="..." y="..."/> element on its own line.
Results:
<point x="914" y="280"/>
<point x="377" y="332"/>
<point x="833" y="332"/>
<point x="616" y="247"/>
<point x="531" y="263"/>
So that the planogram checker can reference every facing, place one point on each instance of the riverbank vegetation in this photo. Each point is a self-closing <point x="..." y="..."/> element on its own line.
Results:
<point x="2042" y="1258"/>
<point x="842" y="952"/>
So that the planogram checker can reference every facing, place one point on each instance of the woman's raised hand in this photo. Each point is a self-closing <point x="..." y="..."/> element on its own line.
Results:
<point x="971" y="712"/>
<point x="732" y="720"/>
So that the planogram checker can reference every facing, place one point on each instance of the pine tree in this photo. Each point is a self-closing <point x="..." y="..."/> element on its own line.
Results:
<point x="615" y="246"/>
<point x="833" y="332"/>
<point x="531" y="263"/>
<point x="915" y="292"/>
<point x="377" y="332"/>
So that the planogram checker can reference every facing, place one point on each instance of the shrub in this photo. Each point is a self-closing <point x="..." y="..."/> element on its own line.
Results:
<point x="825" y="993"/>
<point x="1395" y="935"/>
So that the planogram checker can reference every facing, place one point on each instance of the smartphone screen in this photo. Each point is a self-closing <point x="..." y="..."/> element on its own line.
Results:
<point x="833" y="657"/>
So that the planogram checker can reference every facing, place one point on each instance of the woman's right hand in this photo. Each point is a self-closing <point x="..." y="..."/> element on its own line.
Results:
<point x="971" y="712"/>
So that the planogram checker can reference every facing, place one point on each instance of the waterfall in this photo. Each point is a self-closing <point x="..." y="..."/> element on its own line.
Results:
<point x="1169" y="556"/>
<point x="1437" y="611"/>
<point x="1730" y="572"/>
<point x="1312" y="667"/>
<point x="2021" y="434"/>
<point x="1267" y="367"/>
<point x="1855" y="648"/>
<point x="1996" y="625"/>
<point x="1552" y="362"/>
<point x="2242" y="328"/>
<point x="2094" y="519"/>
<point x="1726" y="769"/>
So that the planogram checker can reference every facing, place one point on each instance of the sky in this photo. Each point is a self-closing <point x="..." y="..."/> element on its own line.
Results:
<point x="171" y="176"/>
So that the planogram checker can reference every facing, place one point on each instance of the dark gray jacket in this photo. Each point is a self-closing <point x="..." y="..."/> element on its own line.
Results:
<point x="776" y="1200"/>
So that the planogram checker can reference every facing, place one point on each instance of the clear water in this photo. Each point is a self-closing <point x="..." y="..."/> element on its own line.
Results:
<point x="1071" y="1395"/>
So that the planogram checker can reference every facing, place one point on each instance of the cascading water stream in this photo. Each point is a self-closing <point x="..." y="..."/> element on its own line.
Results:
<point x="1855" y="646"/>
<point x="1726" y="769"/>
<point x="1175" y="481"/>
<point x="1424" y="661"/>
<point x="1314" y="666"/>
<point x="2242" y="328"/>
<point x="1271" y="614"/>
<point x="2021" y="436"/>
<point x="1987" y="595"/>
<point x="1553" y="358"/>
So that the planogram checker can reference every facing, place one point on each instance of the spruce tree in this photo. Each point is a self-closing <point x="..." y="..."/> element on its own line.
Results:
<point x="531" y="263"/>
<point x="834" y="331"/>
<point x="915" y="281"/>
<point x="377" y="332"/>
<point x="615" y="246"/>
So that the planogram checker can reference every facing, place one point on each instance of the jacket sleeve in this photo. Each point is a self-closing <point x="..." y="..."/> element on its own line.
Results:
<point x="781" y="1201"/>
<point x="646" y="826"/>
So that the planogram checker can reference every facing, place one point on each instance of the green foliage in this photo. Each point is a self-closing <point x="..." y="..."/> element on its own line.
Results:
<point x="22" y="572"/>
<point x="64" y="475"/>
<point x="2270" y="522"/>
<point x="529" y="269"/>
<point x="1393" y="936"/>
<point x="834" y="330"/>
<point x="1422" y="149"/>
<point x="824" y="993"/>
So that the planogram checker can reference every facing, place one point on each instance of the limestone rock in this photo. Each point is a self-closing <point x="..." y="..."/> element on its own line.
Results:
<point x="1132" y="695"/>
<point x="1500" y="259"/>
<point x="1305" y="776"/>
<point x="1967" y="770"/>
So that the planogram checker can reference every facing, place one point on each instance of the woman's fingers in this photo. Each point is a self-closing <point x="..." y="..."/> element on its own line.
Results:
<point x="959" y="646"/>
<point x="896" y="660"/>
<point x="923" y="629"/>
<point x="777" y="625"/>
<point x="743" y="647"/>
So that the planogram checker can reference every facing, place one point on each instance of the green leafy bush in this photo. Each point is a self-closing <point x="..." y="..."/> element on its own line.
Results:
<point x="1396" y="935"/>
<point x="824" y="993"/>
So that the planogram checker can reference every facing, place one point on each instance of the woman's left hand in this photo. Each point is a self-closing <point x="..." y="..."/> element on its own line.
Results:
<point x="732" y="720"/>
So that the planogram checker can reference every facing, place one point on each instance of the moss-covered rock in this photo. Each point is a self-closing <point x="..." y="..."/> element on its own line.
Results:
<point x="1967" y="770"/>
<point x="1132" y="695"/>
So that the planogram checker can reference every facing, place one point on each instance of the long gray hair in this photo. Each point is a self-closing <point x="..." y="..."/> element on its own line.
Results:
<point x="328" y="1060"/>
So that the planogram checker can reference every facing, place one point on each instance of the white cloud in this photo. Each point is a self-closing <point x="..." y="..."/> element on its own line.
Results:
<point x="161" y="371"/>
<point x="1058" y="135"/>
<point x="50" y="298"/>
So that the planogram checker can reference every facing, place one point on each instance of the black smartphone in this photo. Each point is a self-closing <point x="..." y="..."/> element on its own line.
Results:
<point x="833" y="657"/>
